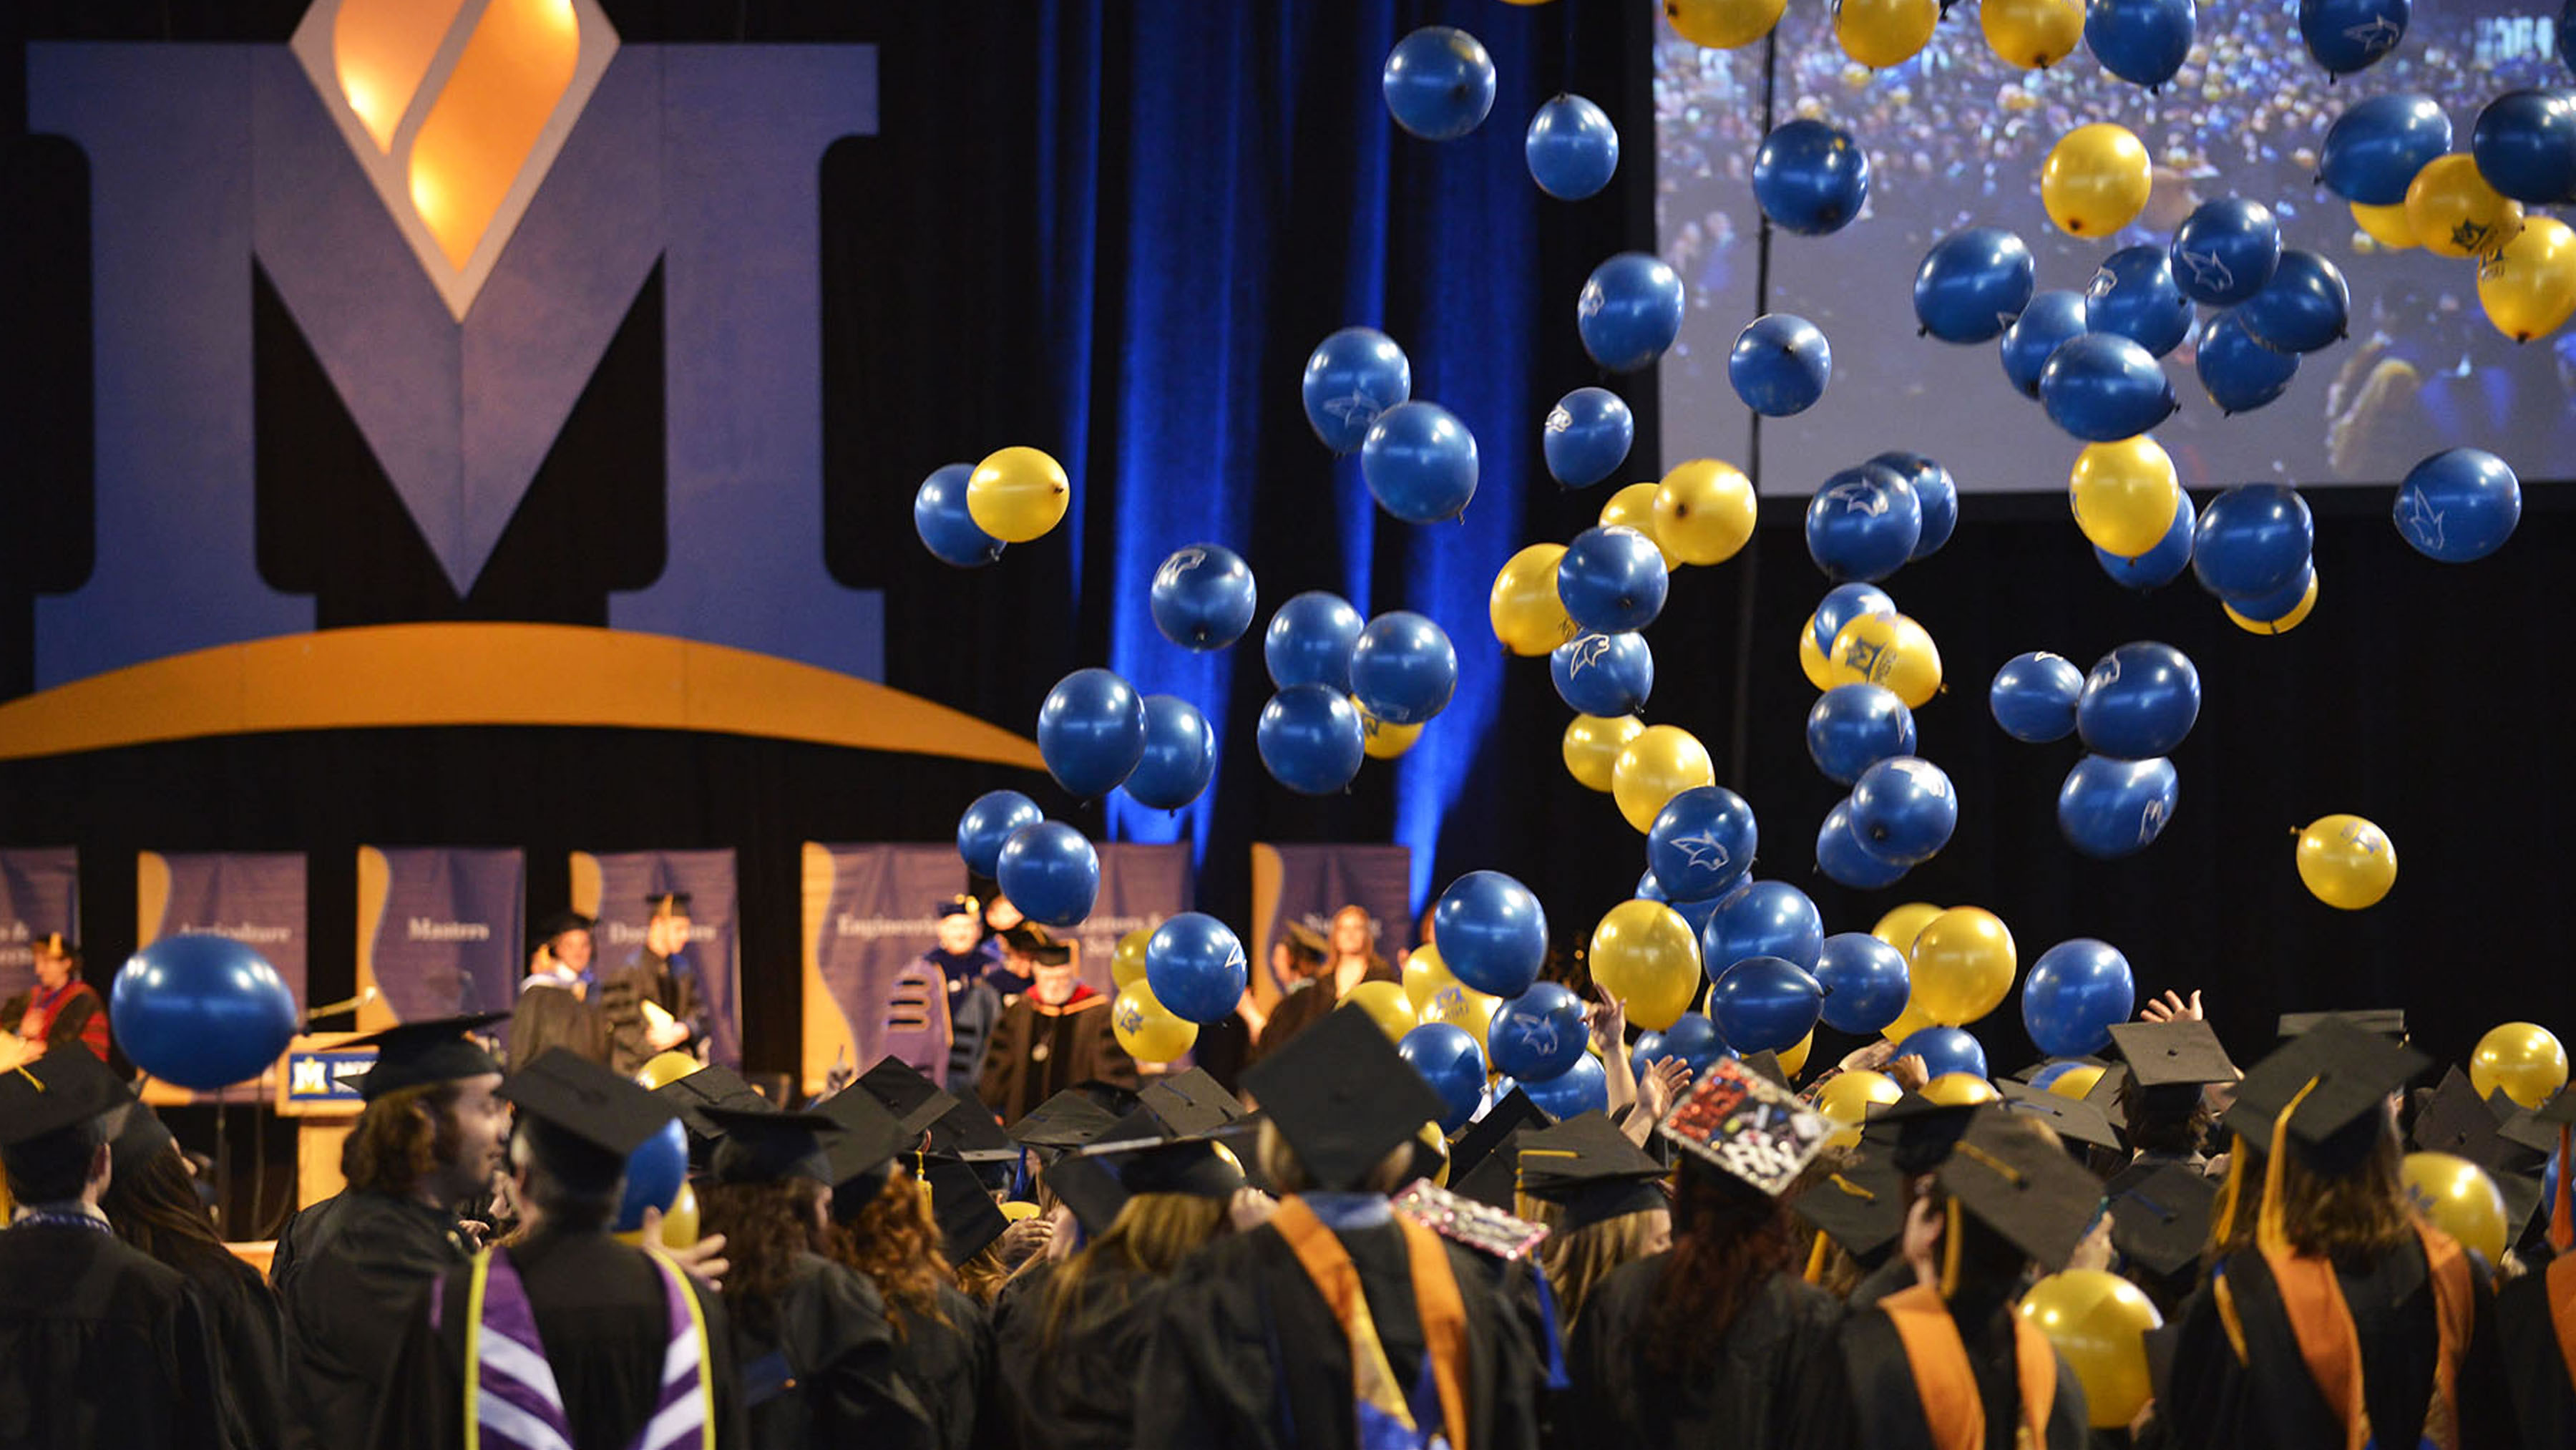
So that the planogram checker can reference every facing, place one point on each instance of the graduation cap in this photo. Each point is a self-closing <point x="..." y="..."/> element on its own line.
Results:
<point x="557" y="923"/>
<point x="1916" y="1133"/>
<point x="713" y="1086"/>
<point x="58" y="1093"/>
<point x="1744" y="1125"/>
<point x="142" y="1138"/>
<point x="1099" y="1180"/>
<point x="1493" y="1232"/>
<point x="961" y="905"/>
<point x="767" y="1146"/>
<point x="1589" y="1169"/>
<point x="55" y="944"/>
<point x="968" y="1221"/>
<point x="1506" y="1117"/>
<point x="581" y="1119"/>
<point x="2388" y="1022"/>
<point x="1088" y="1187"/>
<point x="1063" y="1122"/>
<point x="2455" y="1120"/>
<point x="2016" y="1183"/>
<point x="2073" y="1119"/>
<point x="861" y="1149"/>
<point x="418" y="1054"/>
<point x="1767" y="1064"/>
<point x="2538" y="1128"/>
<point x="1861" y="1208"/>
<point x="2345" y="1072"/>
<point x="1191" y="1102"/>
<point x="2025" y="1074"/>
<point x="1342" y="1098"/>
<point x="666" y="903"/>
<point x="2160" y="1216"/>
<point x="2175" y="1054"/>
<point x="2104" y="1095"/>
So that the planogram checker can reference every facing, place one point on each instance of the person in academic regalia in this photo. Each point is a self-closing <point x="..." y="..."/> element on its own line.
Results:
<point x="100" y="1346"/>
<point x="655" y="1002"/>
<point x="1336" y="1324"/>
<point x="1054" y="1036"/>
<point x="1314" y="987"/>
<point x="560" y="952"/>
<point x="2536" y="1314"/>
<point x="60" y="1008"/>
<point x="1602" y="1200"/>
<point x="959" y="960"/>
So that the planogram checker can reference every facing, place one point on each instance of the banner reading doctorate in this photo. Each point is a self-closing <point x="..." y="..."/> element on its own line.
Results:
<point x="1309" y="884"/>
<point x="39" y="893"/>
<point x="618" y="886"/>
<point x="438" y="931"/>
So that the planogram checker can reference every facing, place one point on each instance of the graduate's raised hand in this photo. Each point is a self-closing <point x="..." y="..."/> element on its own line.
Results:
<point x="1250" y="1208"/>
<point x="705" y="1259"/>
<point x="1025" y="1240"/>
<point x="1909" y="1072"/>
<point x="2172" y="1008"/>
<point x="2094" y="1252"/>
<point x="1667" y="1078"/>
<point x="1608" y="1019"/>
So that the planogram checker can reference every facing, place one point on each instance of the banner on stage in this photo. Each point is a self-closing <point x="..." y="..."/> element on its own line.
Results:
<point x="439" y="932"/>
<point x="256" y="898"/>
<point x="39" y="893"/>
<point x="1309" y="884"/>
<point x="617" y="887"/>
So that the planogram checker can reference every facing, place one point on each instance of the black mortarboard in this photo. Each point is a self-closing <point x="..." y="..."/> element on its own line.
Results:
<point x="2013" y="1181"/>
<point x="767" y="1146"/>
<point x="1512" y="1113"/>
<point x="713" y="1086"/>
<point x="2073" y="1119"/>
<point x="1588" y="1168"/>
<point x="1915" y="1132"/>
<point x="967" y="1218"/>
<point x="1861" y="1208"/>
<point x="2388" y="1022"/>
<point x="56" y="1093"/>
<point x="667" y="903"/>
<point x="2025" y="1074"/>
<point x="861" y="1149"/>
<point x="555" y="924"/>
<point x="2353" y="1069"/>
<point x="961" y="905"/>
<point x="957" y="1128"/>
<point x="55" y="944"/>
<point x="417" y="1054"/>
<point x="2105" y="1094"/>
<point x="1066" y="1121"/>
<point x="2160" y="1217"/>
<point x="1767" y="1063"/>
<point x="1088" y="1187"/>
<point x="2172" y="1054"/>
<point x="1191" y="1102"/>
<point x="143" y="1138"/>
<point x="1189" y="1166"/>
<point x="2455" y="1120"/>
<point x="2522" y="1196"/>
<point x="1342" y="1098"/>
<point x="2538" y="1128"/>
<point x="586" y="1119"/>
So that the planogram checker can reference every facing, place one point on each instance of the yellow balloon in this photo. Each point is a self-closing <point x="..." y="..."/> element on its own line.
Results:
<point x="1811" y="657"/>
<point x="2454" y="213"/>
<point x="2031" y="34"/>
<point x="1424" y="975"/>
<point x="1963" y="965"/>
<point x="1127" y="960"/>
<point x="1017" y="494"/>
<point x="679" y="1223"/>
<point x="1908" y="1022"/>
<point x="2457" y="1197"/>
<point x="1847" y="1097"/>
<point x="1464" y="1007"/>
<point x="2530" y="288"/>
<point x="2124" y="495"/>
<point x="1794" y="1061"/>
<point x="1703" y="512"/>
<point x="1385" y="1004"/>
<point x="2095" y="181"/>
<point x="2386" y="225"/>
<point x="1723" y="24"/>
<point x="1661" y="763"/>
<point x="2098" y="1322"/>
<point x="1382" y="741"/>
<point x="1960" y="1090"/>
<point x="2282" y="625"/>
<point x="1146" y="1028"/>
<point x="2346" y="861"/>
<point x="1593" y="743"/>
<point x="1903" y="924"/>
<point x="1633" y="507"/>
<point x="1644" y="953"/>
<point x="2075" y="1082"/>
<point x="1882" y="33"/>
<point x="666" y="1067"/>
<point x="1528" y="617"/>
<point x="1890" y="650"/>
<point x="2524" y="1059"/>
<point x="1016" y="1209"/>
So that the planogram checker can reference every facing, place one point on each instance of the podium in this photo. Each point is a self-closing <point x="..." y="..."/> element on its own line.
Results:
<point x="315" y="1082"/>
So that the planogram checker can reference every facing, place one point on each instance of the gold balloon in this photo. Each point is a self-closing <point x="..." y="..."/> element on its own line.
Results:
<point x="2454" y="213"/>
<point x="1127" y="959"/>
<point x="1463" y="1007"/>
<point x="2346" y="861"/>
<point x="2124" y="495"/>
<point x="1890" y="650"/>
<point x="1703" y="512"/>
<point x="1846" y="1097"/>
<point x="1424" y="975"/>
<point x="1646" y="955"/>
<point x="1592" y="746"/>
<point x="679" y="1223"/>
<point x="1633" y="507"/>
<point x="1382" y="741"/>
<point x="1794" y="1061"/>
<point x="1903" y="924"/>
<point x="2095" y="181"/>
<point x="666" y="1067"/>
<point x="1386" y="1005"/>
<point x="1017" y="494"/>
<point x="1963" y="965"/>
<point x="2075" y="1082"/>
<point x="2457" y="1197"/>
<point x="2524" y="1059"/>
<point x="2386" y="225"/>
<point x="2282" y="625"/>
<point x="1811" y="657"/>
<point x="1723" y="24"/>
<point x="1661" y="763"/>
<point x="2530" y="288"/>
<point x="1015" y="1209"/>
<point x="2031" y="34"/>
<point x="1528" y="617"/>
<point x="1960" y="1090"/>
<point x="1146" y="1028"/>
<point x="1882" y="33"/>
<point x="2098" y="1322"/>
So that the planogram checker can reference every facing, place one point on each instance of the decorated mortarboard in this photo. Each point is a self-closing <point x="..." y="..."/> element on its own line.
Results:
<point x="588" y="1118"/>
<point x="1063" y="1122"/>
<point x="1468" y="1222"/>
<point x="1342" y="1098"/>
<point x="2181" y="1053"/>
<point x="2072" y="1119"/>
<point x="1191" y="1102"/>
<point x="2388" y="1022"/>
<point x="960" y="905"/>
<point x="1589" y="1169"/>
<point x="667" y="903"/>
<point x="2160" y="1217"/>
<point x="419" y="1054"/>
<point x="968" y="1221"/>
<point x="2016" y="1183"/>
<point x="555" y="924"/>
<point x="860" y="1150"/>
<point x="1861" y="1208"/>
<point x="768" y="1146"/>
<point x="1745" y="1125"/>
<point x="2338" y="1075"/>
<point x="57" y="1093"/>
<point x="1915" y="1133"/>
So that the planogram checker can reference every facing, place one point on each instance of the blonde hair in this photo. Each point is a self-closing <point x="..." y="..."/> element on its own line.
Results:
<point x="1577" y="1261"/>
<point x="1151" y="1235"/>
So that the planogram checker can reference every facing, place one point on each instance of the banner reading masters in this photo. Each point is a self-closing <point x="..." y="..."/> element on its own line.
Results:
<point x="254" y="897"/>
<point x="1309" y="884"/>
<point x="39" y="893"/>
<point x="438" y="932"/>
<point x="615" y="886"/>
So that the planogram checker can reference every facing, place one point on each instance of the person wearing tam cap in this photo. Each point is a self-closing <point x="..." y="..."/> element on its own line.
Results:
<point x="2341" y="1318"/>
<point x="565" y="1337"/>
<point x="99" y="1345"/>
<point x="655" y="1002"/>
<point x="60" y="1008"/>
<point x="2536" y="1314"/>
<point x="1053" y="1037"/>
<point x="958" y="957"/>
<point x="1336" y="1323"/>
<point x="560" y="952"/>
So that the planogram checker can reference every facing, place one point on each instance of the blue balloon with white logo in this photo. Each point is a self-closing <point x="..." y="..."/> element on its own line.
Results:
<point x="1867" y="982"/>
<point x="1050" y="873"/>
<point x="1420" y="463"/>
<point x="2133" y="294"/>
<point x="1863" y="523"/>
<point x="2110" y="808"/>
<point x="1404" y="668"/>
<point x="1764" y="919"/>
<point x="1180" y="755"/>
<point x="1587" y="436"/>
<point x="1848" y="861"/>
<point x="1203" y="597"/>
<point x="1450" y="1061"/>
<point x="1612" y="580"/>
<point x="2052" y="319"/>
<point x="1945" y="1050"/>
<point x="2305" y="307"/>
<point x="1537" y="1034"/>
<point x="1853" y="727"/>
<point x="1603" y="674"/>
<point x="1091" y="732"/>
<point x="1492" y="933"/>
<point x="2350" y="35"/>
<point x="1765" y="1004"/>
<point x="2373" y="150"/>
<point x="1310" y="640"/>
<point x="1934" y="490"/>
<point x="2525" y="146"/>
<point x="1696" y="1041"/>
<point x="2162" y="564"/>
<point x="1571" y="147"/>
<point x="1904" y="809"/>
<point x="1310" y="739"/>
<point x="1810" y="178"/>
<point x="2138" y="702"/>
<point x="1196" y="966"/>
<point x="1844" y="603"/>
<point x="988" y="822"/>
<point x="1780" y="365"/>
<point x="2252" y="540"/>
<point x="939" y="515"/>
<point x="2459" y="505"/>
<point x="1972" y="284"/>
<point x="1438" y="83"/>
<point x="1352" y="377"/>
<point x="2075" y="992"/>
<point x="1629" y="311"/>
<point x="2239" y="373"/>
<point x="1582" y="1088"/>
<point x="1701" y="844"/>
<point x="2033" y="697"/>
<point x="2225" y="251"/>
<point x="2142" y="42"/>
<point x="2103" y="387"/>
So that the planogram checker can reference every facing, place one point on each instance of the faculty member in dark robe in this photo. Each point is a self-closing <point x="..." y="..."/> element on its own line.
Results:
<point x="1054" y="1036"/>
<point x="655" y="1002"/>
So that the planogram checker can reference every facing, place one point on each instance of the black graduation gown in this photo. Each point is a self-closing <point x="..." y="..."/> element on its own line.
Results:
<point x="1246" y="1355"/>
<point x="1079" y="1393"/>
<point x="1888" y="1409"/>
<point x="2544" y="1400"/>
<point x="249" y="1344"/>
<point x="345" y="1268"/>
<point x="100" y="1347"/>
<point x="948" y="1367"/>
<point x="601" y="1312"/>
<point x="832" y="1344"/>
<point x="1775" y="1384"/>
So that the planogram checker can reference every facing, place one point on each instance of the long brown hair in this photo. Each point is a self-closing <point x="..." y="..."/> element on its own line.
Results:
<point x="894" y="1241"/>
<point x="156" y="1210"/>
<point x="1151" y="1235"/>
<point x="765" y="1225"/>
<point x="1729" y="1238"/>
<point x="2357" y="1215"/>
<point x="401" y="1139"/>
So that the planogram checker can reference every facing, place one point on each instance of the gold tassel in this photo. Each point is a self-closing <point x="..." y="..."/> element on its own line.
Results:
<point x="1816" y="1260"/>
<point x="2224" y="1223"/>
<point x="2271" y="1235"/>
<point x="1950" y="1253"/>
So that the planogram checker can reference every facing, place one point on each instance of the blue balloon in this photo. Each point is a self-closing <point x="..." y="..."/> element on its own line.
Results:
<point x="1050" y="873"/>
<point x="2567" y="58"/>
<point x="2112" y="808"/>
<point x="1867" y="982"/>
<point x="1438" y="83"/>
<point x="654" y="1173"/>
<point x="1352" y="377"/>
<point x="1810" y="178"/>
<point x="2347" y="35"/>
<point x="1945" y="1050"/>
<point x="2373" y="150"/>
<point x="2133" y="294"/>
<point x="1846" y="602"/>
<point x="2225" y="251"/>
<point x="947" y="530"/>
<point x="1765" y="1004"/>
<point x="2051" y="319"/>
<point x="989" y="822"/>
<point x="1612" y="580"/>
<point x="1572" y="148"/>
<point x="1764" y="919"/>
<point x="2142" y="42"/>
<point x="2252" y="540"/>
<point x="1695" y="1040"/>
<point x="2162" y="564"/>
<point x="2075" y="991"/>
<point x="1492" y="933"/>
<point x="1203" y="597"/>
<point x="1603" y="674"/>
<point x="2139" y="701"/>
<point x="2281" y="602"/>
<point x="1582" y="1088"/>
<point x="1629" y="311"/>
<point x="1310" y="739"/>
<point x="2046" y="1077"/>
<point x="1447" y="1057"/>
<point x="1649" y="889"/>
<point x="1846" y="860"/>
<point x="1644" y="1052"/>
<point x="1310" y="640"/>
<point x="1780" y="365"/>
<point x="1404" y="669"/>
<point x="1537" y="1034"/>
<point x="1701" y="844"/>
<point x="1196" y="967"/>
<point x="2034" y="696"/>
<point x="1420" y="463"/>
<point x="1863" y="523"/>
<point x="1904" y="809"/>
<point x="2458" y="505"/>
<point x="1695" y="914"/>
<point x="2240" y="373"/>
<point x="1091" y="730"/>
<point x="2102" y="388"/>
<point x="2525" y="145"/>
<point x="1180" y="756"/>
<point x="2306" y="306"/>
<point x="1587" y="436"/>
<point x="1972" y="284"/>
<point x="1853" y="727"/>
<point x="1934" y="490"/>
<point x="200" y="1010"/>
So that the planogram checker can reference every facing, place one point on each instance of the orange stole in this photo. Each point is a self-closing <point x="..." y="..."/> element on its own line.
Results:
<point x="1947" y="1385"/>
<point x="2312" y="1300"/>
<point x="2562" y="1308"/>
<point x="1435" y="1299"/>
